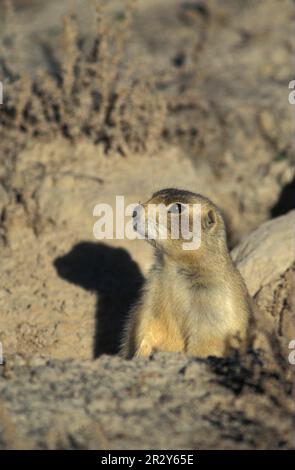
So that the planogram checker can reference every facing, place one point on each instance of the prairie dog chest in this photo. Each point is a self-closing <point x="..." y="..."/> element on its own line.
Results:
<point x="212" y="307"/>
<point x="195" y="305"/>
<point x="213" y="300"/>
<point x="199" y="308"/>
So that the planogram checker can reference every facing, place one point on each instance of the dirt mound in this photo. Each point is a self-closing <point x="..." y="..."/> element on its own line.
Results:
<point x="167" y="402"/>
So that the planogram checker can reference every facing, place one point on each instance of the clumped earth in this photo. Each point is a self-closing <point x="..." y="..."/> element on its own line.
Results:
<point x="124" y="100"/>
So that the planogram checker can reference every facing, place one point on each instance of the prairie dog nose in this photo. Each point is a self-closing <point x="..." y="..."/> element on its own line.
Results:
<point x="137" y="210"/>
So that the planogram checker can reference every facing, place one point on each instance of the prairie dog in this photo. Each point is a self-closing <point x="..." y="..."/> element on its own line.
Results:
<point x="194" y="301"/>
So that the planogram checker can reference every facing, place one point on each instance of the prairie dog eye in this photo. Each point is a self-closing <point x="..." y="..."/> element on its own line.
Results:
<point x="176" y="208"/>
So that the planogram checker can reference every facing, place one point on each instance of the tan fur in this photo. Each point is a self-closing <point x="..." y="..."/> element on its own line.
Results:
<point x="194" y="301"/>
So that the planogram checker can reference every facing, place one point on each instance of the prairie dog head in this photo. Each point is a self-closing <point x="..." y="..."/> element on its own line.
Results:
<point x="180" y="223"/>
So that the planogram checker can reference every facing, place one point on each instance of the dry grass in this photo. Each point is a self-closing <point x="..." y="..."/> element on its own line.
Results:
<point x="95" y="95"/>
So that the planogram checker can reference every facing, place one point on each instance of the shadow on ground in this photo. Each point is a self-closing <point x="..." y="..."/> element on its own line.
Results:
<point x="114" y="277"/>
<point x="286" y="201"/>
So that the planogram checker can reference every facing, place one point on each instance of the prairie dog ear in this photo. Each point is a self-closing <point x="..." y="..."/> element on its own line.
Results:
<point x="210" y="219"/>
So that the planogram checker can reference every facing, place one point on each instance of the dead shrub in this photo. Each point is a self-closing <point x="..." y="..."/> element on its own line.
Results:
<point x="95" y="94"/>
